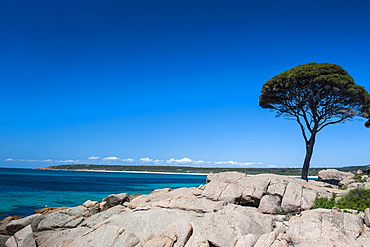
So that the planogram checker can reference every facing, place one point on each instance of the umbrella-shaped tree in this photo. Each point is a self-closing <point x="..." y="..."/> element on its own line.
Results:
<point x="315" y="95"/>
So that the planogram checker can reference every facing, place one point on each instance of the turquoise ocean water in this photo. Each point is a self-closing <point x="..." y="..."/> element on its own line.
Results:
<point x="24" y="190"/>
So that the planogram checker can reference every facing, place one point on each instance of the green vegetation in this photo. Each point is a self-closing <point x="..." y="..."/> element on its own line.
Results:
<point x="358" y="199"/>
<point x="358" y="177"/>
<point x="324" y="202"/>
<point x="287" y="212"/>
<point x="315" y="95"/>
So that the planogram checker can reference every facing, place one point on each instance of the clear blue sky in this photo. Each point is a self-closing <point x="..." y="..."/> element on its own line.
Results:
<point x="170" y="82"/>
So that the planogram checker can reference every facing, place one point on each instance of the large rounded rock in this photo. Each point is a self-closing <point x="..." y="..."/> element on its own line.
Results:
<point x="67" y="218"/>
<point x="225" y="176"/>
<point x="269" y="204"/>
<point x="113" y="200"/>
<point x="15" y="225"/>
<point x="334" y="176"/>
<point x="278" y="191"/>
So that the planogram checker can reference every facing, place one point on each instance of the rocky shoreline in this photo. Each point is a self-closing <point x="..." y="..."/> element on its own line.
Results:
<point x="230" y="210"/>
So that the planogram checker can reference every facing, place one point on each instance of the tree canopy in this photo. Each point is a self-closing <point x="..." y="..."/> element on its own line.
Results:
<point x="315" y="95"/>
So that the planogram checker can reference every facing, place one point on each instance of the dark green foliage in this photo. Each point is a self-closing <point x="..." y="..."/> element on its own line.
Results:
<point x="354" y="169"/>
<point x="344" y="187"/>
<point x="321" y="89"/>
<point x="315" y="95"/>
<point x="328" y="186"/>
<point x="358" y="177"/>
<point x="367" y="124"/>
<point x="358" y="199"/>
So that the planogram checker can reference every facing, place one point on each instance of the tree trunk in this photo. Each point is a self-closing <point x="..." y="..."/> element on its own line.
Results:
<point x="307" y="159"/>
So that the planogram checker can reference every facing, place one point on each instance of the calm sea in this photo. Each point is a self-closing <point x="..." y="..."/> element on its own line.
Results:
<point x="24" y="190"/>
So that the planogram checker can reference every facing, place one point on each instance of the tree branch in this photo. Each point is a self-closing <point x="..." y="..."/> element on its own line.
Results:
<point x="302" y="129"/>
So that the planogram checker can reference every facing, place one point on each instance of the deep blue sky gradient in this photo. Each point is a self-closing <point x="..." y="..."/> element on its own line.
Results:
<point x="170" y="79"/>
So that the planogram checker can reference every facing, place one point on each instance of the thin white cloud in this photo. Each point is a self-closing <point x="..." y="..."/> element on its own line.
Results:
<point x="94" y="158"/>
<point x="10" y="159"/>
<point x="66" y="161"/>
<point x="48" y="160"/>
<point x="235" y="163"/>
<point x="188" y="161"/>
<point x="158" y="162"/>
<point x="146" y="160"/>
<point x="180" y="161"/>
<point x="128" y="160"/>
<point x="110" y="158"/>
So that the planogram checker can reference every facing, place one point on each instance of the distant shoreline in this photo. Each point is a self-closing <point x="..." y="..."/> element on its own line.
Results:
<point x="94" y="170"/>
<point x="192" y="170"/>
<point x="173" y="173"/>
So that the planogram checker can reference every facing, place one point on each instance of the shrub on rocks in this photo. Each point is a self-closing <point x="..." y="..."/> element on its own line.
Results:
<point x="357" y="199"/>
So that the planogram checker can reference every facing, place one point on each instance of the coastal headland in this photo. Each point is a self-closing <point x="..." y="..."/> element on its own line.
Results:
<point x="195" y="170"/>
<point x="230" y="210"/>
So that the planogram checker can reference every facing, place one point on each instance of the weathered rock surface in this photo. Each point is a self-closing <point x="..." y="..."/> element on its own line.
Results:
<point x="226" y="176"/>
<point x="228" y="225"/>
<point x="269" y="204"/>
<point x="367" y="217"/>
<point x="231" y="210"/>
<point x="279" y="192"/>
<point x="67" y="218"/>
<point x="182" y="198"/>
<point x="16" y="225"/>
<point x="22" y="238"/>
<point x="324" y="227"/>
<point x="93" y="206"/>
<point x="246" y="241"/>
<point x="3" y="239"/>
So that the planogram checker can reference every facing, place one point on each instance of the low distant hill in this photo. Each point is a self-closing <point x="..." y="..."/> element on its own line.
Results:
<point x="188" y="169"/>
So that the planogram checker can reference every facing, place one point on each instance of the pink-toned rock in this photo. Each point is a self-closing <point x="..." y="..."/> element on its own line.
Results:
<point x="292" y="197"/>
<point x="269" y="204"/>
<point x="367" y="217"/>
<point x="346" y="182"/>
<point x="334" y="175"/>
<point x="248" y="240"/>
<point x="226" y="176"/>
<point x="325" y="228"/>
<point x="165" y="239"/>
<point x="254" y="188"/>
<point x="226" y="226"/>
<point x="197" y="240"/>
